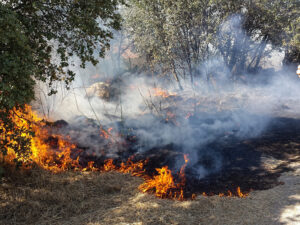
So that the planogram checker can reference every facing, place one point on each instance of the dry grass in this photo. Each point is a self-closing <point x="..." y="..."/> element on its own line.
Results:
<point x="38" y="197"/>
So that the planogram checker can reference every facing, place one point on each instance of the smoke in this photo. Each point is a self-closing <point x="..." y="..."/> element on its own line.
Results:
<point x="213" y="109"/>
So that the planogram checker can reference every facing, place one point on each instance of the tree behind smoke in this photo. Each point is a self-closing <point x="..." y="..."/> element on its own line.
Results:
<point x="175" y="36"/>
<point x="189" y="120"/>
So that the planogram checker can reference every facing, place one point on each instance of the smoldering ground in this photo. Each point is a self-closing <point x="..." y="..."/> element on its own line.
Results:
<point x="215" y="108"/>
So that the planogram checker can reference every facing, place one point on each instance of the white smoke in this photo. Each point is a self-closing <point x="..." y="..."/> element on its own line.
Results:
<point x="213" y="109"/>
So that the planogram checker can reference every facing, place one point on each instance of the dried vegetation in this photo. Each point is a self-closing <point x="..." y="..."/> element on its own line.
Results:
<point x="39" y="197"/>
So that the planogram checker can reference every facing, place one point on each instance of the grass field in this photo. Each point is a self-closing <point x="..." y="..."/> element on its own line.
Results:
<point x="39" y="197"/>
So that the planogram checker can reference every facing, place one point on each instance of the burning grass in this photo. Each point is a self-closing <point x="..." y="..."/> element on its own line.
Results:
<point x="64" y="191"/>
<point x="55" y="153"/>
<point x="40" y="197"/>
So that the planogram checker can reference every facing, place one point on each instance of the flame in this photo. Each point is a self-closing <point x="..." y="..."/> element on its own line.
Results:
<point x="54" y="156"/>
<point x="240" y="194"/>
<point x="55" y="153"/>
<point x="230" y="194"/>
<point x="90" y="167"/>
<point x="109" y="165"/>
<point x="182" y="169"/>
<point x="96" y="76"/>
<point x="133" y="168"/>
<point x="194" y="196"/>
<point x="164" y="185"/>
<point x="162" y="93"/>
<point x="106" y="133"/>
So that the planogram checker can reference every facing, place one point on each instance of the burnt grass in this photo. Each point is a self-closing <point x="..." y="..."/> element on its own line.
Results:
<point x="241" y="159"/>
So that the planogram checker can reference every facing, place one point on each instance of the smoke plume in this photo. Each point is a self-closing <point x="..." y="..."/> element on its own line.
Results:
<point x="215" y="108"/>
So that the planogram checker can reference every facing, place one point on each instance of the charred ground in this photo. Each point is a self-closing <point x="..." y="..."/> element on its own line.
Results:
<point x="243" y="160"/>
<point x="40" y="197"/>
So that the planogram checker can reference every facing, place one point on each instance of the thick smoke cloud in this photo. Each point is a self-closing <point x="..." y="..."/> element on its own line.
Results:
<point x="190" y="120"/>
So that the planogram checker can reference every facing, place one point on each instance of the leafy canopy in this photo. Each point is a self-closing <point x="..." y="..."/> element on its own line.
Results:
<point x="175" y="36"/>
<point x="38" y="41"/>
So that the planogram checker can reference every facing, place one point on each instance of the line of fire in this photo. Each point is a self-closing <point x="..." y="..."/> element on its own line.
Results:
<point x="149" y="112"/>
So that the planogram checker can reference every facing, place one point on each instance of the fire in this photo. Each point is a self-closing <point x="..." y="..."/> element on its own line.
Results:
<point x="182" y="169"/>
<point x="54" y="156"/>
<point x="90" y="167"/>
<point x="164" y="185"/>
<point x="240" y="194"/>
<point x="56" y="153"/>
<point x="230" y="194"/>
<point x="106" y="133"/>
<point x="109" y="165"/>
<point x="162" y="93"/>
<point x="133" y="168"/>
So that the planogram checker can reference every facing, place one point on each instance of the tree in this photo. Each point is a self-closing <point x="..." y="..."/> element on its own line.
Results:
<point x="176" y="36"/>
<point x="276" y="23"/>
<point x="38" y="41"/>
<point x="16" y="66"/>
<point x="172" y="35"/>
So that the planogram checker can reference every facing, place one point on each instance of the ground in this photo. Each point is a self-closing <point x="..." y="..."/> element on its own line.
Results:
<point x="38" y="197"/>
<point x="93" y="198"/>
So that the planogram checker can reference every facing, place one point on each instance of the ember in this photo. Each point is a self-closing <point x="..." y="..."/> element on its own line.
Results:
<point x="105" y="133"/>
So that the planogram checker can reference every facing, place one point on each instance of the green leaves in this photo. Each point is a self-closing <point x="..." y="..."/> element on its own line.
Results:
<point x="33" y="32"/>
<point x="175" y="36"/>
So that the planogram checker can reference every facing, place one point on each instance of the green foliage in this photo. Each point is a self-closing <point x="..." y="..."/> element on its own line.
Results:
<point x="277" y="22"/>
<point x="16" y="82"/>
<point x="38" y="41"/>
<point x="175" y="36"/>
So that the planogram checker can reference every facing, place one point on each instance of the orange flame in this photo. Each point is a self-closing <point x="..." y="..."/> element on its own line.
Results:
<point x="106" y="133"/>
<point x="109" y="165"/>
<point x="230" y="194"/>
<point x="90" y="167"/>
<point x="133" y="168"/>
<point x="240" y="194"/>
<point x="164" y="184"/>
<point x="162" y="93"/>
<point x="56" y="157"/>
